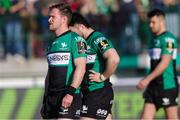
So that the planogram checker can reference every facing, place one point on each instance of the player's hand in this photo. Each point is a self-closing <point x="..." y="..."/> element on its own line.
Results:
<point x="94" y="76"/>
<point x="67" y="100"/>
<point x="142" y="84"/>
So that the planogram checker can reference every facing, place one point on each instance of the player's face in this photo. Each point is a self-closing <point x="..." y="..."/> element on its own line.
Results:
<point x="155" y="24"/>
<point x="77" y="29"/>
<point x="55" y="19"/>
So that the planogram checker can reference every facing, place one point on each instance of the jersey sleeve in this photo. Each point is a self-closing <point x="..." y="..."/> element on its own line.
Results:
<point x="168" y="45"/>
<point x="101" y="44"/>
<point x="79" y="47"/>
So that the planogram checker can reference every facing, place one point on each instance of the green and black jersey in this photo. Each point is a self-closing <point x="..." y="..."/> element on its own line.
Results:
<point x="164" y="44"/>
<point x="61" y="53"/>
<point x="97" y="45"/>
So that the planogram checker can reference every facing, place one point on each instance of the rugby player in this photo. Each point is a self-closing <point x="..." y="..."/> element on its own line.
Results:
<point x="102" y="61"/>
<point x="66" y="67"/>
<point x="161" y="84"/>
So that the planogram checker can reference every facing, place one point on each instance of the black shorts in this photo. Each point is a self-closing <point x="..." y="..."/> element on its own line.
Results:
<point x="161" y="98"/>
<point x="52" y="108"/>
<point x="97" y="104"/>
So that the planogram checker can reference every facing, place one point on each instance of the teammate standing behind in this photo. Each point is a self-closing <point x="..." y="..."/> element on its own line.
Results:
<point x="161" y="84"/>
<point x="102" y="61"/>
<point x="66" y="67"/>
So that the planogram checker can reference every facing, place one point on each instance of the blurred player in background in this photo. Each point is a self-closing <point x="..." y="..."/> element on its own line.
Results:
<point x="102" y="61"/>
<point x="161" y="84"/>
<point x="66" y="67"/>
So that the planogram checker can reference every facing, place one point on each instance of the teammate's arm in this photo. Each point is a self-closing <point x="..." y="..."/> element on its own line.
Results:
<point x="165" y="60"/>
<point x="112" y="61"/>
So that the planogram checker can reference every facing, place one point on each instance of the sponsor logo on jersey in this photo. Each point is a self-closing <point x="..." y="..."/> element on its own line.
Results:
<point x="58" y="58"/>
<point x="98" y="40"/>
<point x="169" y="44"/>
<point x="90" y="58"/>
<point x="155" y="53"/>
<point x="81" y="47"/>
<point x="101" y="112"/>
<point x="103" y="44"/>
<point x="166" y="101"/>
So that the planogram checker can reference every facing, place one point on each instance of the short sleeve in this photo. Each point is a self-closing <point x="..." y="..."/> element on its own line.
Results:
<point x="168" y="45"/>
<point x="79" y="47"/>
<point x="101" y="44"/>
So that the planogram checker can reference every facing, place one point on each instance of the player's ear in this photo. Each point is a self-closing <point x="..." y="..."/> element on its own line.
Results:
<point x="81" y="26"/>
<point x="65" y="19"/>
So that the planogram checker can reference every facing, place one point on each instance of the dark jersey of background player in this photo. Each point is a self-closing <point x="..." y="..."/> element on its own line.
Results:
<point x="165" y="43"/>
<point x="161" y="84"/>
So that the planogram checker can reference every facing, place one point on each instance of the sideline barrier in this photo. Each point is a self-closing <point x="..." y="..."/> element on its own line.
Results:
<point x="21" y="98"/>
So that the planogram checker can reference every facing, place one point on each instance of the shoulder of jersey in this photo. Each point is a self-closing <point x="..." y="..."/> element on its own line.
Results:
<point x="98" y="35"/>
<point x="77" y="37"/>
<point x="169" y="34"/>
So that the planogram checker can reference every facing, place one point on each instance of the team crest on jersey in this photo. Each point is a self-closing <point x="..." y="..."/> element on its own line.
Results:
<point x="103" y="44"/>
<point x="63" y="44"/>
<point x="81" y="47"/>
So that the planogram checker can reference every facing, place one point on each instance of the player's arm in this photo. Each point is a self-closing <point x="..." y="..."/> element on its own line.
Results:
<point x="165" y="60"/>
<point x="112" y="61"/>
<point x="80" y="64"/>
<point x="79" y="50"/>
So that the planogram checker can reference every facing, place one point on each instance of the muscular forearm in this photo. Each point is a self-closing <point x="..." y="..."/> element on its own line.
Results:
<point x="78" y="75"/>
<point x="77" y="78"/>
<point x="111" y="65"/>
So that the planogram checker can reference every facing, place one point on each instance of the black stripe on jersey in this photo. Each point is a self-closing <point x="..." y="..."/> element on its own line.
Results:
<point x="57" y="78"/>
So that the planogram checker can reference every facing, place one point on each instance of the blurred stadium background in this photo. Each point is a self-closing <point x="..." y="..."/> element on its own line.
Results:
<point x="24" y="35"/>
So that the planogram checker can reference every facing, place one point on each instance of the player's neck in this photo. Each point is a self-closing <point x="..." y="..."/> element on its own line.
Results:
<point x="88" y="32"/>
<point x="162" y="31"/>
<point x="61" y="30"/>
